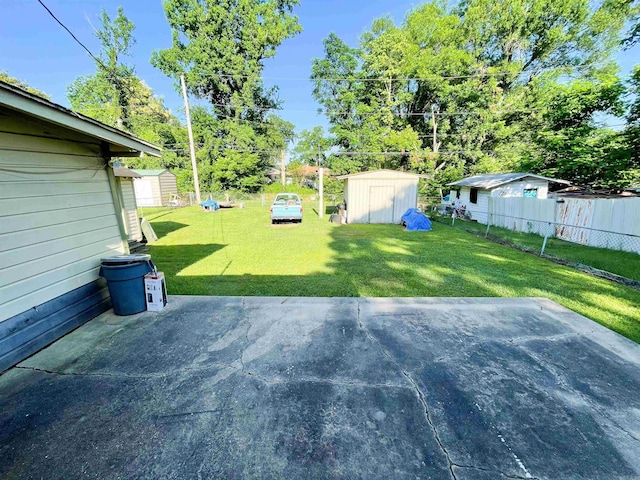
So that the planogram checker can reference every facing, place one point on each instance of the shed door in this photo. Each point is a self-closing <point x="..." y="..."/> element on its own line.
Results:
<point x="144" y="192"/>
<point x="381" y="204"/>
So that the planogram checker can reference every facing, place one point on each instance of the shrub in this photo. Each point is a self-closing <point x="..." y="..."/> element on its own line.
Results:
<point x="277" y="187"/>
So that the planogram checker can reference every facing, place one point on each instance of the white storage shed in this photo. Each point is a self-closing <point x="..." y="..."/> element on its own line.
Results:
<point x="154" y="187"/>
<point x="476" y="190"/>
<point x="380" y="196"/>
<point x="60" y="213"/>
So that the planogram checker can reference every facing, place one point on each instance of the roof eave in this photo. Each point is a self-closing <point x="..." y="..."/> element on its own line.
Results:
<point x="351" y="175"/>
<point x="548" y="179"/>
<point x="17" y="99"/>
<point x="504" y="182"/>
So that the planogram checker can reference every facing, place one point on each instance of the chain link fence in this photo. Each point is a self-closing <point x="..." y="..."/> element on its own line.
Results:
<point x="613" y="252"/>
<point x="186" y="199"/>
<point x="428" y="203"/>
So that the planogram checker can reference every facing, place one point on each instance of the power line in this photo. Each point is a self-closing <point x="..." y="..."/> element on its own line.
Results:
<point x="348" y="112"/>
<point x="96" y="59"/>
<point x="441" y="113"/>
<point x="405" y="79"/>
<point x="410" y="153"/>
<point x="70" y="32"/>
<point x="346" y="153"/>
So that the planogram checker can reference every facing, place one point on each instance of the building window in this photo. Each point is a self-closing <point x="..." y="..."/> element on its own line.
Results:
<point x="473" y="195"/>
<point x="530" y="193"/>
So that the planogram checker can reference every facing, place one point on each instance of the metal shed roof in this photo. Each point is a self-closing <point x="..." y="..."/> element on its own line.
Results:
<point x="120" y="144"/>
<point x="493" y="180"/>
<point x="391" y="174"/>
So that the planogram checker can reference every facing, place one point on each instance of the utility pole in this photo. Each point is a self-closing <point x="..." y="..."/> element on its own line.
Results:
<point x="283" y="171"/>
<point x="192" y="148"/>
<point x="436" y="145"/>
<point x="320" y="189"/>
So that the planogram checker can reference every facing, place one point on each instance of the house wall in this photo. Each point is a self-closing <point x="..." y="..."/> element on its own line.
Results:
<point x="57" y="219"/>
<point x="130" y="209"/>
<point x="167" y="185"/>
<point x="479" y="210"/>
<point x="517" y="188"/>
<point x="358" y="196"/>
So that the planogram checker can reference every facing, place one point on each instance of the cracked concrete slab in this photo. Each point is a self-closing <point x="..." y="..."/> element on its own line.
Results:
<point x="231" y="387"/>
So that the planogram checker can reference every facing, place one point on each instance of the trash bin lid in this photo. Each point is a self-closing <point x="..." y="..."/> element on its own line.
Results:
<point x="126" y="259"/>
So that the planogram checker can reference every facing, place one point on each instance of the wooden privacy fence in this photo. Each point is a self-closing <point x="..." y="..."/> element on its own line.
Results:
<point x="598" y="222"/>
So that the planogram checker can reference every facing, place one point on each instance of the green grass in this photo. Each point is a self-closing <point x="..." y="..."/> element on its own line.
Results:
<point x="626" y="264"/>
<point x="238" y="252"/>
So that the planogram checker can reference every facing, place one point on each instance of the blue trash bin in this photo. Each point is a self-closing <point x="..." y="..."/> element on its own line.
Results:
<point x="125" y="279"/>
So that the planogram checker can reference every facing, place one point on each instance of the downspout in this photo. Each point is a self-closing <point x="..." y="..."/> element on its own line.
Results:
<point x="118" y="203"/>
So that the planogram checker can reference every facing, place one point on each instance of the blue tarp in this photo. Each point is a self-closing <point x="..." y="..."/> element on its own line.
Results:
<point x="416" y="220"/>
<point x="210" y="205"/>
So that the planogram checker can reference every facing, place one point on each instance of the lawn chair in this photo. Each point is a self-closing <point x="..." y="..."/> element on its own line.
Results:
<point x="175" y="201"/>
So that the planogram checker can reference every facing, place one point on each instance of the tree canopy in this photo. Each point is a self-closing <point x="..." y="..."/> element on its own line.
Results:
<point x="116" y="96"/>
<point x="452" y="90"/>
<point x="220" y="48"/>
<point x="6" y="78"/>
<point x="482" y="87"/>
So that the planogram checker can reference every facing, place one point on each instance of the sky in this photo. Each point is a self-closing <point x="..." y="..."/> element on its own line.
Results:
<point x="35" y="49"/>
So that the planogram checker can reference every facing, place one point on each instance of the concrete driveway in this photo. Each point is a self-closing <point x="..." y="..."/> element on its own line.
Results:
<point x="297" y="388"/>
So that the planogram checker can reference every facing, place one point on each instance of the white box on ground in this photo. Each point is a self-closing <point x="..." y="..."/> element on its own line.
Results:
<point x="155" y="289"/>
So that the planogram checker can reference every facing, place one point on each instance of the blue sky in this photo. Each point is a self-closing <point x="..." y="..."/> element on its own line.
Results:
<point x="34" y="48"/>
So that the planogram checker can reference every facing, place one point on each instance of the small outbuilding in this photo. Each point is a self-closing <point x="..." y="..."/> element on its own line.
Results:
<point x="380" y="196"/>
<point x="124" y="181"/>
<point x="476" y="190"/>
<point x="61" y="211"/>
<point x="154" y="188"/>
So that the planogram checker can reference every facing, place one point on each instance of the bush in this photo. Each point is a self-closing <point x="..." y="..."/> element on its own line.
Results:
<point x="184" y="180"/>
<point x="277" y="187"/>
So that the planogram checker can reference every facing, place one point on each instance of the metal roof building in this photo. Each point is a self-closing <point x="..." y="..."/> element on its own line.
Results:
<point x="493" y="180"/>
<point x="476" y="191"/>
<point x="154" y="187"/>
<point x="379" y="196"/>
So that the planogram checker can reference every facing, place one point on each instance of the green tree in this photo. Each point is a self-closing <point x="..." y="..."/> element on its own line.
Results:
<point x="235" y="154"/>
<point x="111" y="88"/>
<point x="220" y="47"/>
<point x="459" y="90"/>
<point x="630" y="174"/>
<point x="313" y="146"/>
<point x="6" y="78"/>
<point x="570" y="143"/>
<point x="633" y="34"/>
<point x="116" y="96"/>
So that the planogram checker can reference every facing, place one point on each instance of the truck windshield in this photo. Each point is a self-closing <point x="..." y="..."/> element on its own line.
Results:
<point x="287" y="199"/>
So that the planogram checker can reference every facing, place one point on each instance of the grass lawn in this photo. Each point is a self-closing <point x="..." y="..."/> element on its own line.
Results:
<point x="238" y="252"/>
<point x="626" y="264"/>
